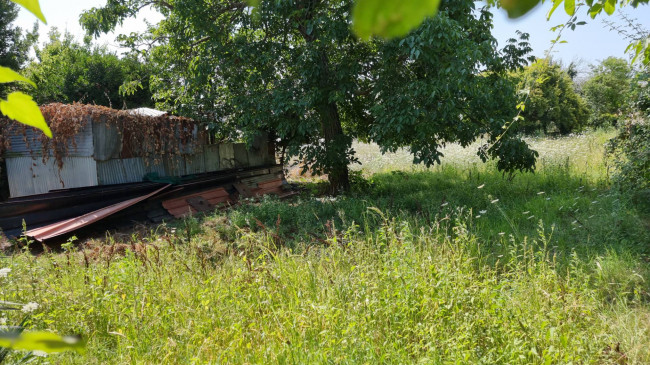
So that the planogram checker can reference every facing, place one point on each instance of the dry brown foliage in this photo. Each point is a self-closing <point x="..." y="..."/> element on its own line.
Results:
<point x="142" y="136"/>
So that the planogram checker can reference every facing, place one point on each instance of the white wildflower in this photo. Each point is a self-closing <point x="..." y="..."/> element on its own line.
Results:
<point x="526" y="212"/>
<point x="480" y="186"/>
<point x="39" y="353"/>
<point x="483" y="211"/>
<point x="594" y="202"/>
<point x="540" y="193"/>
<point x="3" y="321"/>
<point x="494" y="201"/>
<point x="531" y="217"/>
<point x="4" y="272"/>
<point x="502" y="233"/>
<point x="444" y="204"/>
<point x="30" y="307"/>
<point x="478" y="216"/>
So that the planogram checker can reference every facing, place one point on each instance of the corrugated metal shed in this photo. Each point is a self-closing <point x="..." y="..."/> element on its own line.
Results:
<point x="226" y="156"/>
<point x="241" y="155"/>
<point x="28" y="144"/>
<point x="174" y="165"/>
<point x="194" y="164"/>
<point x="107" y="141"/>
<point x="29" y="176"/>
<point x="126" y="170"/>
<point x="211" y="153"/>
<point x="104" y="154"/>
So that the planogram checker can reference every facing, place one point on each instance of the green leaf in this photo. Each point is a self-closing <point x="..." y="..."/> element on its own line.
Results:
<point x="609" y="6"/>
<point x="40" y="341"/>
<point x="22" y="108"/>
<point x="517" y="8"/>
<point x="570" y="7"/>
<point x="9" y="75"/>
<point x="556" y="3"/>
<point x="595" y="10"/>
<point x="390" y="18"/>
<point x="33" y="6"/>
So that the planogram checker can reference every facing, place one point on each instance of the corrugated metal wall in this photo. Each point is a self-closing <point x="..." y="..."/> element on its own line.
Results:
<point x="28" y="145"/>
<point x="97" y="161"/>
<point x="107" y="141"/>
<point x="28" y="176"/>
<point x="126" y="170"/>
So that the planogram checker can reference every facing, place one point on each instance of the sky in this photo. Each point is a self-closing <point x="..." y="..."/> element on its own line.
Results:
<point x="587" y="44"/>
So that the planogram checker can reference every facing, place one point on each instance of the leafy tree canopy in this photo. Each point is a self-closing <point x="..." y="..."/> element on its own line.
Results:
<point x="67" y="71"/>
<point x="607" y="90"/>
<point x="295" y="69"/>
<point x="552" y="103"/>
<point x="14" y="42"/>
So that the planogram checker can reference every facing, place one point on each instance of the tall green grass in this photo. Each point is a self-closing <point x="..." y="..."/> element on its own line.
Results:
<point x="455" y="264"/>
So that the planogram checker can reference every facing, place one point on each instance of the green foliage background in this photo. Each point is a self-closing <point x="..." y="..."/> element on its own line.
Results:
<point x="608" y="91"/>
<point x="551" y="101"/>
<point x="67" y="71"/>
<point x="15" y="43"/>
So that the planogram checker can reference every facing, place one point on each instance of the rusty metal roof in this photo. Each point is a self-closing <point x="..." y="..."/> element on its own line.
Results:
<point x="67" y="226"/>
<point x="197" y="202"/>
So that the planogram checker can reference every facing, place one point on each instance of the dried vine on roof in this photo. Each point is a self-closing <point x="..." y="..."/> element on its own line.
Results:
<point x="149" y="137"/>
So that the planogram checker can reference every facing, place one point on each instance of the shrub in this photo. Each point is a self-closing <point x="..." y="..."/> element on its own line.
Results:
<point x="552" y="103"/>
<point x="607" y="91"/>
<point x="630" y="152"/>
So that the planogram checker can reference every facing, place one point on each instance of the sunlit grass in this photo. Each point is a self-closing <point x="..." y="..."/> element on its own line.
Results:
<point x="454" y="264"/>
<point x="583" y="153"/>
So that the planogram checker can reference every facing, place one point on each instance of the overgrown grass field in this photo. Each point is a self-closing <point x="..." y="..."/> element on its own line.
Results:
<point x="454" y="264"/>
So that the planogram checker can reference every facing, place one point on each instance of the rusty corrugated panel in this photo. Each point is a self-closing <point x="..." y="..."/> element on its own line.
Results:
<point x="43" y="209"/>
<point x="29" y="176"/>
<point x="256" y="180"/>
<point x="189" y="204"/>
<point x="174" y="165"/>
<point x="70" y="225"/>
<point x="194" y="164"/>
<point x="18" y="147"/>
<point x="190" y="147"/>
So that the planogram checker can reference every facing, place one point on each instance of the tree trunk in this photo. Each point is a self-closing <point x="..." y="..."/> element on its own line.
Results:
<point x="337" y="143"/>
<point x="336" y="147"/>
